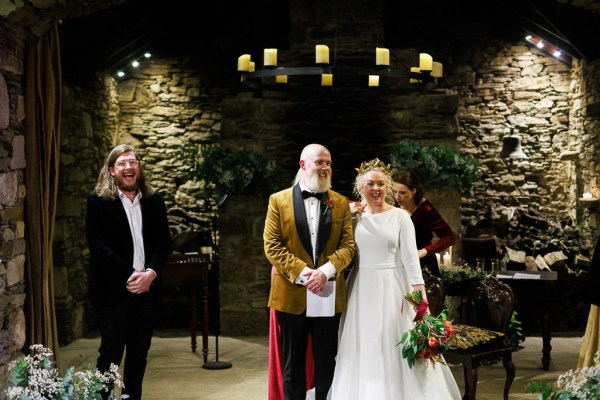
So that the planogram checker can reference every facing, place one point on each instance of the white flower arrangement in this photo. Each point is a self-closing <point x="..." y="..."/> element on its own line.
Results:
<point x="579" y="384"/>
<point x="36" y="378"/>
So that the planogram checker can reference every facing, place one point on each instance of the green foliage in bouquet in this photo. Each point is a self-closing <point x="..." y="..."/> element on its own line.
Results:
<point x="430" y="335"/>
<point x="579" y="384"/>
<point x="436" y="165"/>
<point x="234" y="171"/>
<point x="514" y="332"/>
<point x="35" y="378"/>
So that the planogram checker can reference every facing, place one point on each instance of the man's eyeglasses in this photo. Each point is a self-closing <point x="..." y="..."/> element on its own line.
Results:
<point x="123" y="164"/>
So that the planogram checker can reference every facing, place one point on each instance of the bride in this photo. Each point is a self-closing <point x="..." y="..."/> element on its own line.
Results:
<point x="369" y="363"/>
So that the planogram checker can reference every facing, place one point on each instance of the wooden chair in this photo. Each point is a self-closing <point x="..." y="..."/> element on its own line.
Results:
<point x="436" y="294"/>
<point x="483" y="341"/>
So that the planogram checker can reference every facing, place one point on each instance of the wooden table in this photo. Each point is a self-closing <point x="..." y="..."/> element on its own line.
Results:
<point x="191" y="270"/>
<point x="545" y="280"/>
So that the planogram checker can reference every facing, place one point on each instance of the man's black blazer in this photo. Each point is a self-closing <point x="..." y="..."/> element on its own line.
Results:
<point x="111" y="246"/>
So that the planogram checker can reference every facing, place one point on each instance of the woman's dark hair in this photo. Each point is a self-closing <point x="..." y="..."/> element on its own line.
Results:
<point x="411" y="181"/>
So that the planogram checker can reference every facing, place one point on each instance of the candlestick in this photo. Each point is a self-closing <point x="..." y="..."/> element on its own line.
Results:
<point x="281" y="79"/>
<point x="321" y="54"/>
<point x="244" y="62"/>
<point x="415" y="69"/>
<point x="437" y="69"/>
<point x="425" y="62"/>
<point x="326" y="79"/>
<point x="382" y="56"/>
<point x="270" y="58"/>
<point x="373" y="80"/>
<point x="447" y="259"/>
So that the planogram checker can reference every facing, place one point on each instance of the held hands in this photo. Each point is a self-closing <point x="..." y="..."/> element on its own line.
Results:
<point x="422" y="253"/>
<point x="139" y="282"/>
<point x="357" y="208"/>
<point x="316" y="280"/>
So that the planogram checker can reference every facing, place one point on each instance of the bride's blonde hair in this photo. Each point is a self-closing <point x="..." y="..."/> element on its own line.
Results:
<point x="374" y="165"/>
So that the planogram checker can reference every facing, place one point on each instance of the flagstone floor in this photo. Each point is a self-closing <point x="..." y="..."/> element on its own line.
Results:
<point x="174" y="372"/>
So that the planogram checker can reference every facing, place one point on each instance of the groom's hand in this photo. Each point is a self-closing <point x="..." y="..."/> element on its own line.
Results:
<point x="316" y="281"/>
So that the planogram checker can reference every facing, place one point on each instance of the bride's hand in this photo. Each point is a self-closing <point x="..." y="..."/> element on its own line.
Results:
<point x="423" y="291"/>
<point x="357" y="208"/>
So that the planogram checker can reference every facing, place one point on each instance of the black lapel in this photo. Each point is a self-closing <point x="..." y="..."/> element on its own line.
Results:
<point x="300" y="219"/>
<point x="324" y="225"/>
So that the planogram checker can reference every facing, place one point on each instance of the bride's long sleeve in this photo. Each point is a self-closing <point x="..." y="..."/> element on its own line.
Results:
<point x="408" y="248"/>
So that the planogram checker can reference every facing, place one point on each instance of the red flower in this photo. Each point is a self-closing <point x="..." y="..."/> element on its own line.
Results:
<point x="328" y="205"/>
<point x="433" y="342"/>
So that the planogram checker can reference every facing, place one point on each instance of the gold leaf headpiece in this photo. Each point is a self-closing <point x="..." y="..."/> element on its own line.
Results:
<point x="376" y="163"/>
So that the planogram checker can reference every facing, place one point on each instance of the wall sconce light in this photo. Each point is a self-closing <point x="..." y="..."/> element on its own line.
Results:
<point x="549" y="48"/>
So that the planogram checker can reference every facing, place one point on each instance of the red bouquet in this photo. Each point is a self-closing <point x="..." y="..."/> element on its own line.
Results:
<point x="430" y="335"/>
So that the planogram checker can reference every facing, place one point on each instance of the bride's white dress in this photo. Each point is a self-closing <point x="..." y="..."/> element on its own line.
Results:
<point x="369" y="363"/>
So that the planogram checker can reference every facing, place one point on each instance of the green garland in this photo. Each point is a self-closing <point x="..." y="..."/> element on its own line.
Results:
<point x="233" y="171"/>
<point x="436" y="165"/>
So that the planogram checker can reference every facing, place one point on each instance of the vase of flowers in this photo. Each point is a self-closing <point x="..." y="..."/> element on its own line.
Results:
<point x="36" y="377"/>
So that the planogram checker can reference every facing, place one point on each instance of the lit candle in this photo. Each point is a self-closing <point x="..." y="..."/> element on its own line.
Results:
<point x="373" y="80"/>
<point x="587" y="195"/>
<point x="415" y="69"/>
<point x="326" y="79"/>
<point x="252" y="66"/>
<point x="382" y="56"/>
<point x="447" y="259"/>
<point x="438" y="258"/>
<point x="321" y="54"/>
<point x="437" y="69"/>
<point x="244" y="62"/>
<point x="270" y="58"/>
<point x="425" y="62"/>
<point x="281" y="78"/>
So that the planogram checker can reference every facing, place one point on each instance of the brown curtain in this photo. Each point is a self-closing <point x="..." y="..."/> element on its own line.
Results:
<point x="42" y="140"/>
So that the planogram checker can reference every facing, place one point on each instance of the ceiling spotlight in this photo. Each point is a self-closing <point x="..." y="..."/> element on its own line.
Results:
<point x="120" y="74"/>
<point x="557" y="53"/>
<point x="147" y="55"/>
<point x="528" y="37"/>
<point x="540" y="45"/>
<point x="135" y="64"/>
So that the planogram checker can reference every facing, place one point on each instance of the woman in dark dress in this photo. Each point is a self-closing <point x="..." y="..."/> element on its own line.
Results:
<point x="408" y="193"/>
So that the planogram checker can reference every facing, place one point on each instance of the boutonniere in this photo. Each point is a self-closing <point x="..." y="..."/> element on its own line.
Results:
<point x="328" y="206"/>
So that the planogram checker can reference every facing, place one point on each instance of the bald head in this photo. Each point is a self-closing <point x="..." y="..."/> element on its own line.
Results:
<point x="315" y="167"/>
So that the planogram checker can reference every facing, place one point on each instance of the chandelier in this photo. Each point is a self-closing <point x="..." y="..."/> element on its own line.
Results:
<point x="375" y="73"/>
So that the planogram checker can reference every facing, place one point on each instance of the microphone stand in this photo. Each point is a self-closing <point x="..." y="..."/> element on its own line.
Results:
<point x="215" y="263"/>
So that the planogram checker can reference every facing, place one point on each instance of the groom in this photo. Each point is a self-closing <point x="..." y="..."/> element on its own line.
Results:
<point x="308" y="238"/>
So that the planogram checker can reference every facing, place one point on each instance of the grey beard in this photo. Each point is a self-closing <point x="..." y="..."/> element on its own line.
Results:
<point x="313" y="183"/>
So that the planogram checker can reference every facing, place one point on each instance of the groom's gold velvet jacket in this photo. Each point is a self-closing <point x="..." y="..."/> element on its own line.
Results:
<point x="288" y="247"/>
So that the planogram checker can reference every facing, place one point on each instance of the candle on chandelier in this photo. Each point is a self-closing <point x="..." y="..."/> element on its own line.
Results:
<point x="425" y="62"/>
<point x="270" y="58"/>
<point x="418" y="70"/>
<point x="326" y="79"/>
<point x="437" y="69"/>
<point x="252" y="66"/>
<point x="382" y="56"/>
<point x="373" y="80"/>
<point x="281" y="79"/>
<point x="244" y="62"/>
<point x="321" y="54"/>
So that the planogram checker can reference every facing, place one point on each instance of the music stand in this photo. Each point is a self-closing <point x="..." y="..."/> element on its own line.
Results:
<point x="215" y="269"/>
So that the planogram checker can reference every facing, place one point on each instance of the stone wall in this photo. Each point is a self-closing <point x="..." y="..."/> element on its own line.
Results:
<point x="89" y="122"/>
<point x="12" y="197"/>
